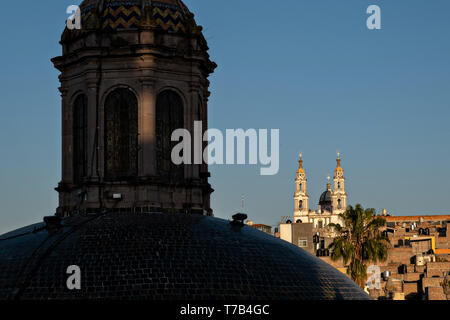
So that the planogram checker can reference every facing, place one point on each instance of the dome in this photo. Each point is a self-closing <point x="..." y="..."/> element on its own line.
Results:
<point x="162" y="256"/>
<point x="325" y="198"/>
<point x="170" y="16"/>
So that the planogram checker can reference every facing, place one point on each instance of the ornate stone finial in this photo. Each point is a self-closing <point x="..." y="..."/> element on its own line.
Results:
<point x="301" y="155"/>
<point x="338" y="154"/>
<point x="328" y="178"/>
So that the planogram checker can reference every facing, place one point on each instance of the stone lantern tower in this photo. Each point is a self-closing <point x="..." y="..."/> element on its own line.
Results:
<point x="135" y="71"/>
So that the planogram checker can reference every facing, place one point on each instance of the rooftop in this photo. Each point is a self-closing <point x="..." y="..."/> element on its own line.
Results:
<point x="416" y="218"/>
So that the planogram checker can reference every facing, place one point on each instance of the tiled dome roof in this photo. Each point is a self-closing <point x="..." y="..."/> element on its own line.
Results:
<point x="109" y="15"/>
<point x="163" y="256"/>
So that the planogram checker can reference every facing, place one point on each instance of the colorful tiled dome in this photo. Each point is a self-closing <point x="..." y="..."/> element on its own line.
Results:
<point x="113" y="15"/>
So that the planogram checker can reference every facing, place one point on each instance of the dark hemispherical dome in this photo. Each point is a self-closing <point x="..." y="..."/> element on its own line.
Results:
<point x="325" y="197"/>
<point x="162" y="256"/>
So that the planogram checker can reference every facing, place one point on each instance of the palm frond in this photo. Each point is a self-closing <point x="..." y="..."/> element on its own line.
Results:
<point x="360" y="241"/>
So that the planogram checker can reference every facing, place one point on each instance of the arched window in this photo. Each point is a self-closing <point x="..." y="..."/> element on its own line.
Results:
<point x="339" y="185"/>
<point x="320" y="224"/>
<point x="169" y="117"/>
<point x="121" y="134"/>
<point x="301" y="186"/>
<point x="339" y="204"/>
<point x="80" y="138"/>
<point x="300" y="204"/>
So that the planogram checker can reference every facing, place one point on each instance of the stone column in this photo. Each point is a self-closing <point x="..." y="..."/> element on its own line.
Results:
<point x="147" y="130"/>
<point x="206" y="94"/>
<point x="195" y="114"/>
<point x="92" y="125"/>
<point x="67" y="147"/>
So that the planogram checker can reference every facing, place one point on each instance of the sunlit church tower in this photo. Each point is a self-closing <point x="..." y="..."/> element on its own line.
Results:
<point x="339" y="195"/>
<point x="136" y="71"/>
<point x="301" y="197"/>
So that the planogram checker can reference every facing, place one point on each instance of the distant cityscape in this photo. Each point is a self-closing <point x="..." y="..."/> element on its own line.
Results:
<point x="418" y="263"/>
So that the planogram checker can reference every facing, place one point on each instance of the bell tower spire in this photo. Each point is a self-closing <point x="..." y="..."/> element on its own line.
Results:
<point x="301" y="197"/>
<point x="300" y="162"/>
<point x="339" y="195"/>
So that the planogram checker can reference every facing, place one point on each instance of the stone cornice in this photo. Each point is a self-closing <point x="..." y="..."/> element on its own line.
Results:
<point x="147" y="81"/>
<point x="63" y="91"/>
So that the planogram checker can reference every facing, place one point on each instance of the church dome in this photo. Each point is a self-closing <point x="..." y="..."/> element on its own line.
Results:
<point x="325" y="198"/>
<point x="169" y="16"/>
<point x="162" y="256"/>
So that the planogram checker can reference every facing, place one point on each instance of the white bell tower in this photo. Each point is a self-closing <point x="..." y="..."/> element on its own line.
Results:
<point x="339" y="196"/>
<point x="301" y="197"/>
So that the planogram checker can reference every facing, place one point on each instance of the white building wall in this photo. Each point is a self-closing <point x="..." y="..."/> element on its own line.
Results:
<point x="286" y="232"/>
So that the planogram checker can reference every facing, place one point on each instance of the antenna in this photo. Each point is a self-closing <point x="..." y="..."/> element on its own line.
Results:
<point x="243" y="202"/>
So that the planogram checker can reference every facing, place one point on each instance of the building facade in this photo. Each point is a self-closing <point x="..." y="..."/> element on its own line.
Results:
<point x="418" y="263"/>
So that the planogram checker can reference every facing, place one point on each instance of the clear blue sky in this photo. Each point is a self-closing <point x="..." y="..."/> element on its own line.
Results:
<point x="308" y="67"/>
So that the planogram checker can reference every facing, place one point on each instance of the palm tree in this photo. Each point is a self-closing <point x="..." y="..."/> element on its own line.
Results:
<point x="359" y="241"/>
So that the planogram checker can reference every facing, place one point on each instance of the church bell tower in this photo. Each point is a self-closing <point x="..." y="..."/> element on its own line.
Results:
<point x="339" y="195"/>
<point x="301" y="197"/>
